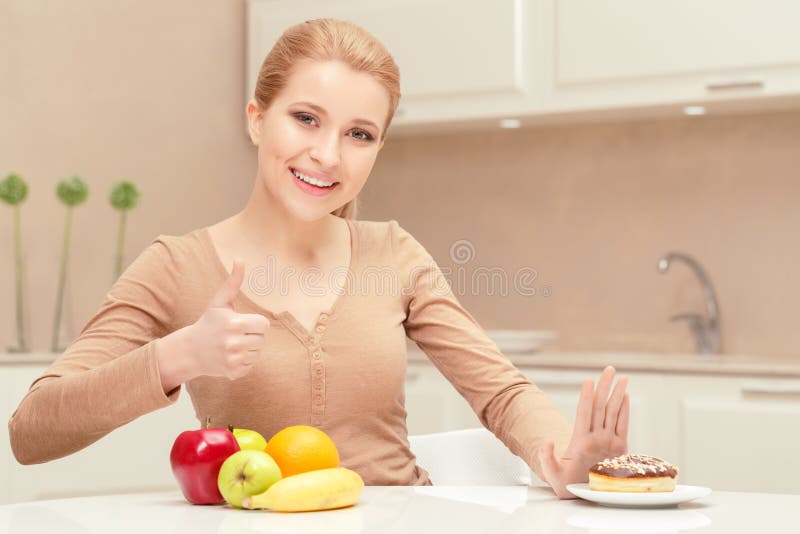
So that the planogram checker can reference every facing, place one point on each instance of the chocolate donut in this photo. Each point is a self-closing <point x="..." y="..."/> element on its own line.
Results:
<point x="634" y="473"/>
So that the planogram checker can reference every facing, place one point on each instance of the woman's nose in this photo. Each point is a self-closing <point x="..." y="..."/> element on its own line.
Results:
<point x="326" y="151"/>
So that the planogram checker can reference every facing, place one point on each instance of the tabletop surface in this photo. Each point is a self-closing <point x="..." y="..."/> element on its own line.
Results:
<point x="395" y="509"/>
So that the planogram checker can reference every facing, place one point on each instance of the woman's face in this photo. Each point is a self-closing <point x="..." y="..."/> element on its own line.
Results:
<point x="326" y="124"/>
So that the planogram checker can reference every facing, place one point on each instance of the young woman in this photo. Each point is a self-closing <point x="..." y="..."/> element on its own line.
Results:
<point x="299" y="332"/>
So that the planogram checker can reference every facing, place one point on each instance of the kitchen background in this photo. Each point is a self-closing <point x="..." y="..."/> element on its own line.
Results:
<point x="153" y="92"/>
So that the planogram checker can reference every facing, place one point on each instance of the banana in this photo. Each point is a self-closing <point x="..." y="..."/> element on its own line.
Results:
<point x="322" y="489"/>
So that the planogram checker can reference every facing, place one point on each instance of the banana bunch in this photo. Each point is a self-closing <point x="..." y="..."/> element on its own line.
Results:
<point x="322" y="489"/>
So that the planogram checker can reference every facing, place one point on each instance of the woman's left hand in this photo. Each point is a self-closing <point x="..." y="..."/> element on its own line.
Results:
<point x="600" y="431"/>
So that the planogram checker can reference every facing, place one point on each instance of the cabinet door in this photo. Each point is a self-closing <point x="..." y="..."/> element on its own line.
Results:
<point x="424" y="401"/>
<point x="744" y="440"/>
<point x="613" y="53"/>
<point x="457" y="60"/>
<point x="433" y="404"/>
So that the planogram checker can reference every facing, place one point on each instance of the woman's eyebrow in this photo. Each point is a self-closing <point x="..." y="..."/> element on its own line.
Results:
<point x="322" y="111"/>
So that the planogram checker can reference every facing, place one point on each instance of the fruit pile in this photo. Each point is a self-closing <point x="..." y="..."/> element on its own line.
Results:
<point x="297" y="470"/>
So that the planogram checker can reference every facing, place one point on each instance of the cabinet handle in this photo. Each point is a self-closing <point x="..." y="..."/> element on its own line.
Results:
<point x="770" y="388"/>
<point x="734" y="84"/>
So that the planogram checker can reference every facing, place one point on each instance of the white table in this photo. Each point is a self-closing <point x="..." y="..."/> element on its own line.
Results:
<point x="396" y="509"/>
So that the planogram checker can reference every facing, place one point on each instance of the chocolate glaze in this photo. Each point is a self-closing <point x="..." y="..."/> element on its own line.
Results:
<point x="634" y="466"/>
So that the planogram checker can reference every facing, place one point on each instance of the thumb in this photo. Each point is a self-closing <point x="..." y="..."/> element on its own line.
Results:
<point x="226" y="293"/>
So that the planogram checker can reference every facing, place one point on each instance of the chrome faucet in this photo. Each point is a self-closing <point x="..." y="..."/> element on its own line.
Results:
<point x="704" y="329"/>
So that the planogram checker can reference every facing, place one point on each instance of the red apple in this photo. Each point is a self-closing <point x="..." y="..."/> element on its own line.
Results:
<point x="196" y="458"/>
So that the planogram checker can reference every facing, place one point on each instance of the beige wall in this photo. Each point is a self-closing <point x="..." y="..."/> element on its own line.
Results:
<point x="153" y="92"/>
<point x="147" y="91"/>
<point x="592" y="208"/>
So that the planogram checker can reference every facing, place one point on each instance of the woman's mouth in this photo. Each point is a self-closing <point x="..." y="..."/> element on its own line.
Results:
<point x="312" y="186"/>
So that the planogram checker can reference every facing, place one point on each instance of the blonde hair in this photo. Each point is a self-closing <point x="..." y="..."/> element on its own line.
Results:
<point x="325" y="40"/>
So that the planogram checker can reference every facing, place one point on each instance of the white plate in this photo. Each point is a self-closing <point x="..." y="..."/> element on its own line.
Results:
<point x="640" y="500"/>
<point x="520" y="341"/>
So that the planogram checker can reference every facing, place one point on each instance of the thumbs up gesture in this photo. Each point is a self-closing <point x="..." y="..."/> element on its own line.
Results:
<point x="226" y="343"/>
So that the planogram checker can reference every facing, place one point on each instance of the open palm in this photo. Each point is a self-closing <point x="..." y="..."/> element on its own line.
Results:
<point x="600" y="431"/>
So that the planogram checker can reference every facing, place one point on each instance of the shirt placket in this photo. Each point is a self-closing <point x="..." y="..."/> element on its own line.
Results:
<point x="316" y="354"/>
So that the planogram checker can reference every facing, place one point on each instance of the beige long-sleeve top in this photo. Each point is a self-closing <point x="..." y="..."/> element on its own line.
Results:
<point x="345" y="377"/>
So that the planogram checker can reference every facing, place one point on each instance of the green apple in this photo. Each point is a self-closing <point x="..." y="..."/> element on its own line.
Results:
<point x="249" y="439"/>
<point x="245" y="473"/>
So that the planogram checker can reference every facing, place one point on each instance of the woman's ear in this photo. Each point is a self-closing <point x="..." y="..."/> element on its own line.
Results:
<point x="254" y="121"/>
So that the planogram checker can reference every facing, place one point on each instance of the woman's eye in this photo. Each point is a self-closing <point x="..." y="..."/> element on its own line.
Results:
<point x="365" y="136"/>
<point x="302" y="118"/>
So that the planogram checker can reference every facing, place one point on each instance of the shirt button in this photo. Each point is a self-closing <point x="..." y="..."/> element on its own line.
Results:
<point x="318" y="371"/>
<point x="318" y="384"/>
<point x="317" y="355"/>
<point x="323" y="317"/>
<point x="317" y="421"/>
<point x="318" y="399"/>
<point x="320" y="329"/>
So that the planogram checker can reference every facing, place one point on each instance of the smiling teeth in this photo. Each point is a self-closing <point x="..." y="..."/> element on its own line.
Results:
<point x="312" y="181"/>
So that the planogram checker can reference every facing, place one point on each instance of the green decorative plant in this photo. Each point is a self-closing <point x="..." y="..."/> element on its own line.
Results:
<point x="13" y="191"/>
<point x="124" y="197"/>
<point x="71" y="192"/>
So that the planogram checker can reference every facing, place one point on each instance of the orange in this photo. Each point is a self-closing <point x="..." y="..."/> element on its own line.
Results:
<point x="301" y="448"/>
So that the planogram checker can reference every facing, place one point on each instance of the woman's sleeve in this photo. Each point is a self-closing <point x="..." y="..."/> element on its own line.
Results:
<point x="109" y="375"/>
<point x="505" y="401"/>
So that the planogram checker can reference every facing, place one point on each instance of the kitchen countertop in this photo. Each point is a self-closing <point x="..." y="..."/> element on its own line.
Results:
<point x="400" y="509"/>
<point x="710" y="364"/>
<point x="27" y="358"/>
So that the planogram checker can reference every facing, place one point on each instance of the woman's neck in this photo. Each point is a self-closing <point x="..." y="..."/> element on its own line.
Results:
<point x="265" y="225"/>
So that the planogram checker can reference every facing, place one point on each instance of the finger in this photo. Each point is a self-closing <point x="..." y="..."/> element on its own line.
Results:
<point x="252" y="342"/>
<point x="230" y="288"/>
<point x="600" y="396"/>
<point x="233" y="348"/>
<point x="614" y="405"/>
<point x="250" y="323"/>
<point x="623" y="418"/>
<point x="583" y="418"/>
<point x="235" y="354"/>
<point x="242" y="358"/>
<point x="245" y="343"/>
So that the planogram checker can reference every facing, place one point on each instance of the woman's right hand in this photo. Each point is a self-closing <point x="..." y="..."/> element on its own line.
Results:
<point x="221" y="343"/>
<point x="227" y="343"/>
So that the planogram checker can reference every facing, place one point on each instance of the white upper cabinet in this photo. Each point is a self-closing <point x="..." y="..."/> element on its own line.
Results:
<point x="621" y="53"/>
<point x="467" y="63"/>
<point x="458" y="60"/>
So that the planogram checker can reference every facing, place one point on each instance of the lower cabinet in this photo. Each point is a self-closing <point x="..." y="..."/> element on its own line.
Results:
<point x="742" y="435"/>
<point x="132" y="458"/>
<point x="433" y="404"/>
<point x="731" y="433"/>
